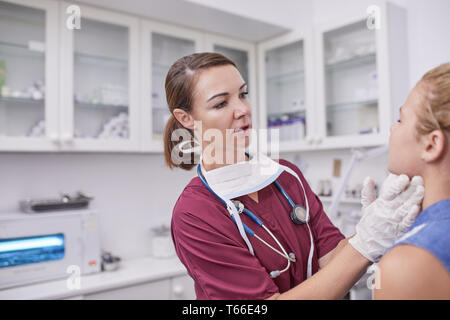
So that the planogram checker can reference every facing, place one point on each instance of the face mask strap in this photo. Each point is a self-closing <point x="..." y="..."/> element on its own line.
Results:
<point x="194" y="149"/>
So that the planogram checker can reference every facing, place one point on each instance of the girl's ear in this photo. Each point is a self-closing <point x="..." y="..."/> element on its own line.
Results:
<point x="433" y="145"/>
<point x="184" y="118"/>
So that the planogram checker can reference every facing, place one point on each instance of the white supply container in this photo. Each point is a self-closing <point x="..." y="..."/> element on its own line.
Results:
<point x="162" y="244"/>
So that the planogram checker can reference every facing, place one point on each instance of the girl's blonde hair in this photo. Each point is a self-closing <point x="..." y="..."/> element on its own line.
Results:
<point x="435" y="111"/>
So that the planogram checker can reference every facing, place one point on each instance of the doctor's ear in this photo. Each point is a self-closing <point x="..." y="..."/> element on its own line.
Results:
<point x="434" y="145"/>
<point x="184" y="118"/>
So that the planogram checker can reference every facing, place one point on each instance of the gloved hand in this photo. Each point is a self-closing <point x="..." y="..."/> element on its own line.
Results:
<point x="387" y="217"/>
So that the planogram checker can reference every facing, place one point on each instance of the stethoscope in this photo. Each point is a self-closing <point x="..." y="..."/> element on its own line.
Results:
<point x="299" y="215"/>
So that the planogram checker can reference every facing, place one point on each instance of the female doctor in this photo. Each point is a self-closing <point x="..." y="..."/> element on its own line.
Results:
<point x="251" y="227"/>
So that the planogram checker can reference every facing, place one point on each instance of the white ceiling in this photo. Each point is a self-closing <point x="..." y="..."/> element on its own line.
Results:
<point x="195" y="15"/>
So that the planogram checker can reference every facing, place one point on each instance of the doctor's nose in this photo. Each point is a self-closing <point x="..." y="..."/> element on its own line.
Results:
<point x="240" y="109"/>
<point x="392" y="128"/>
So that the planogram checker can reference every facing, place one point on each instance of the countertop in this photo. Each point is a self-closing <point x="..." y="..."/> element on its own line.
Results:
<point x="131" y="272"/>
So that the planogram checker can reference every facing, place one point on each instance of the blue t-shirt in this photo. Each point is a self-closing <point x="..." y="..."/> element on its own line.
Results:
<point x="431" y="231"/>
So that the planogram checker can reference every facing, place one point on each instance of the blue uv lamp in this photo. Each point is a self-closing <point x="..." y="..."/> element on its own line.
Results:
<point x="26" y="250"/>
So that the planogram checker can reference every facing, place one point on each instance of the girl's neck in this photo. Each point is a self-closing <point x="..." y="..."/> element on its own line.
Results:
<point x="437" y="188"/>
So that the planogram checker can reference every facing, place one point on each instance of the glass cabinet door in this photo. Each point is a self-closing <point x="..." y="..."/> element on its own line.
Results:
<point x="350" y="80"/>
<point x="161" y="45"/>
<point x="239" y="57"/>
<point x="165" y="50"/>
<point x="22" y="71"/>
<point x="286" y="91"/>
<point x="100" y="80"/>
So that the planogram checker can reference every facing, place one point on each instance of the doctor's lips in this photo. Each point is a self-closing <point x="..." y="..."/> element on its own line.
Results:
<point x="242" y="130"/>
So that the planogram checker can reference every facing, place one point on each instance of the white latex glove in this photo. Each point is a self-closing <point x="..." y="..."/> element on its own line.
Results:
<point x="387" y="217"/>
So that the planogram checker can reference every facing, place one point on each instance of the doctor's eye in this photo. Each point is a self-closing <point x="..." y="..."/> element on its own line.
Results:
<point x="244" y="95"/>
<point x="220" y="105"/>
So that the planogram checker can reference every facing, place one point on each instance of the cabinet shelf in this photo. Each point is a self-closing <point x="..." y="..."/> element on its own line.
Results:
<point x="287" y="112"/>
<point x="343" y="200"/>
<point x="352" y="105"/>
<point x="287" y="77"/>
<point x="88" y="58"/>
<point x="353" y="62"/>
<point x="22" y="101"/>
<point x="22" y="50"/>
<point x="99" y="106"/>
<point x="160" y="70"/>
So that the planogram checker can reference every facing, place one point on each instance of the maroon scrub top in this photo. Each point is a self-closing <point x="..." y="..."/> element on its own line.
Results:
<point x="209" y="244"/>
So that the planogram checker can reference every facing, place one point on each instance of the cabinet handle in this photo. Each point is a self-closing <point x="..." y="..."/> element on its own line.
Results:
<point x="309" y="140"/>
<point x="178" y="290"/>
<point x="54" y="138"/>
<point x="67" y="138"/>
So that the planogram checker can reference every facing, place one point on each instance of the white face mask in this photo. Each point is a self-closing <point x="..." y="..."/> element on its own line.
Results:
<point x="235" y="180"/>
<point x="238" y="179"/>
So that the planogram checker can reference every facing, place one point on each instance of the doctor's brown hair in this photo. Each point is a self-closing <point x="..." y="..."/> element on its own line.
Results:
<point x="180" y="84"/>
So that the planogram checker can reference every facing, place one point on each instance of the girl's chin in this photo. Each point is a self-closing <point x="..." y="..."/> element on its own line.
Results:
<point x="392" y="169"/>
<point x="398" y="170"/>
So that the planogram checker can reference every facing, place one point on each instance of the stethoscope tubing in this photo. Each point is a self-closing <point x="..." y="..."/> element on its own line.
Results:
<point x="284" y="193"/>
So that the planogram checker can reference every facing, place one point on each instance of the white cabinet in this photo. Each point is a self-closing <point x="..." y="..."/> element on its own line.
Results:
<point x="162" y="45"/>
<point x="176" y="288"/>
<point x="157" y="290"/>
<point x="99" y="81"/>
<point x="340" y="87"/>
<point x="67" y="89"/>
<point x="357" y="58"/>
<point x="286" y="96"/>
<point x="347" y="69"/>
<point x="104" y="82"/>
<point x="28" y="75"/>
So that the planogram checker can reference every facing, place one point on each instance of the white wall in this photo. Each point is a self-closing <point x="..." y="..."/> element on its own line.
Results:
<point x="132" y="192"/>
<point x="428" y="22"/>
<point x="291" y="14"/>
<point x="429" y="36"/>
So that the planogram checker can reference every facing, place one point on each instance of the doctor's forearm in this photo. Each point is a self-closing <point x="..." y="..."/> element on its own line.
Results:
<point x="334" y="280"/>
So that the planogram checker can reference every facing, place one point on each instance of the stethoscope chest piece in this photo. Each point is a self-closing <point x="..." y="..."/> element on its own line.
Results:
<point x="298" y="215"/>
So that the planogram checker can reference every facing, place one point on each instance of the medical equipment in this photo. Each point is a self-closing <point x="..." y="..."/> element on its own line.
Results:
<point x="110" y="262"/>
<point x="358" y="155"/>
<point x="45" y="246"/>
<point x="299" y="215"/>
<point x="161" y="242"/>
<point x="66" y="202"/>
